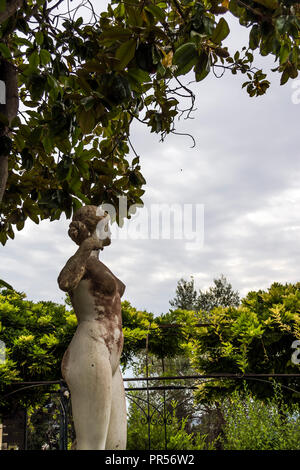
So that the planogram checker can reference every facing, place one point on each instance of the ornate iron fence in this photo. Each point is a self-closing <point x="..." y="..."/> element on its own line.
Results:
<point x="60" y="432"/>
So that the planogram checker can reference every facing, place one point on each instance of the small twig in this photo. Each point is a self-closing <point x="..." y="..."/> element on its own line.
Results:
<point x="253" y="10"/>
<point x="54" y="6"/>
<point x="178" y="8"/>
<point x="218" y="76"/>
<point x="186" y="134"/>
<point x="132" y="148"/>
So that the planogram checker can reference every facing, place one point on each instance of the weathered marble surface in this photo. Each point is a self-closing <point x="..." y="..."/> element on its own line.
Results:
<point x="91" y="363"/>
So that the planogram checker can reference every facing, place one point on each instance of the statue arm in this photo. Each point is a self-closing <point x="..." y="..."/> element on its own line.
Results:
<point x="75" y="267"/>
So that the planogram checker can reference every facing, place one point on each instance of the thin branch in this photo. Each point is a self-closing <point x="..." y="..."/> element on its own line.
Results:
<point x="191" y="94"/>
<point x="253" y="10"/>
<point x="136" y="117"/>
<point x="178" y="8"/>
<point x="132" y="148"/>
<point x="216" y="75"/>
<point x="186" y="134"/>
<point x="54" y="6"/>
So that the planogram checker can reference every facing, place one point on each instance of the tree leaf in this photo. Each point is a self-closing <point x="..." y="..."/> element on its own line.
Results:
<point x="15" y="122"/>
<point x="95" y="66"/>
<point x="185" y="57"/>
<point x="282" y="24"/>
<point x="254" y="37"/>
<point x="48" y="144"/>
<point x="270" y="4"/>
<point x="125" y="53"/>
<point x="4" y="50"/>
<point x="138" y="78"/>
<point x="284" y="53"/>
<point x="221" y="31"/>
<point x="115" y="34"/>
<point x="34" y="60"/>
<point x="202" y="67"/>
<point x="86" y="121"/>
<point x="156" y="12"/>
<point x="39" y="37"/>
<point x="45" y="57"/>
<point x="284" y="77"/>
<point x="2" y="6"/>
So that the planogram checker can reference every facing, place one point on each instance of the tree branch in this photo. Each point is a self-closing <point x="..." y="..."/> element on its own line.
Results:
<point x="253" y="10"/>
<point x="178" y="8"/>
<point x="8" y="73"/>
<point x="11" y="7"/>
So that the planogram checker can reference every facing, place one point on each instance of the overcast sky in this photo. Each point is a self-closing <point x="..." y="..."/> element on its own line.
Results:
<point x="244" y="169"/>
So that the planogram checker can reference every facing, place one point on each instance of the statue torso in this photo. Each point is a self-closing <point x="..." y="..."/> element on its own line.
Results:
<point x="97" y="300"/>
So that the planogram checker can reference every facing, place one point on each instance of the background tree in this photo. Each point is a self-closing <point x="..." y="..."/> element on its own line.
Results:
<point x="82" y="83"/>
<point x="210" y="419"/>
<point x="220" y="294"/>
<point x="186" y="295"/>
<point x="255" y="337"/>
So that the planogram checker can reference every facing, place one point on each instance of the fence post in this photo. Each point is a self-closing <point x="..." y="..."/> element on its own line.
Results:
<point x="148" y="397"/>
<point x="165" y="411"/>
<point x="63" y="429"/>
<point x="25" y="429"/>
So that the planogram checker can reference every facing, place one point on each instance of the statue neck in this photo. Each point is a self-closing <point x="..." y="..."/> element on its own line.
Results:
<point x="95" y="254"/>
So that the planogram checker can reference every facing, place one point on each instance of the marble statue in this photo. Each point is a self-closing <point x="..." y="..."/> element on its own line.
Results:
<point x="90" y="365"/>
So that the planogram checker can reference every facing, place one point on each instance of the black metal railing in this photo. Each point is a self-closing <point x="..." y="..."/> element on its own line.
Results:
<point x="151" y="412"/>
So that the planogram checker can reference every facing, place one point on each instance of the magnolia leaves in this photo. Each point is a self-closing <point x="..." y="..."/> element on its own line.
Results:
<point x="185" y="58"/>
<point x="125" y="53"/>
<point x="221" y="32"/>
<point x="5" y="145"/>
<point x="82" y="84"/>
<point x="273" y="40"/>
<point x="149" y="58"/>
<point x="191" y="54"/>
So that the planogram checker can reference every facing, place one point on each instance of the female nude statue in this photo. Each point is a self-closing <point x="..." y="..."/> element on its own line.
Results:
<point x="90" y="365"/>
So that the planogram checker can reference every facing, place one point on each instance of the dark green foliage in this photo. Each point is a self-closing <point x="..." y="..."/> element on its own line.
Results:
<point x="81" y="85"/>
<point x="255" y="337"/>
<point x="36" y="336"/>
<point x="144" y="58"/>
<point x="5" y="145"/>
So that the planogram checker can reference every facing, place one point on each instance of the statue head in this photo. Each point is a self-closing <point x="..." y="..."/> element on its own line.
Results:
<point x="90" y="221"/>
